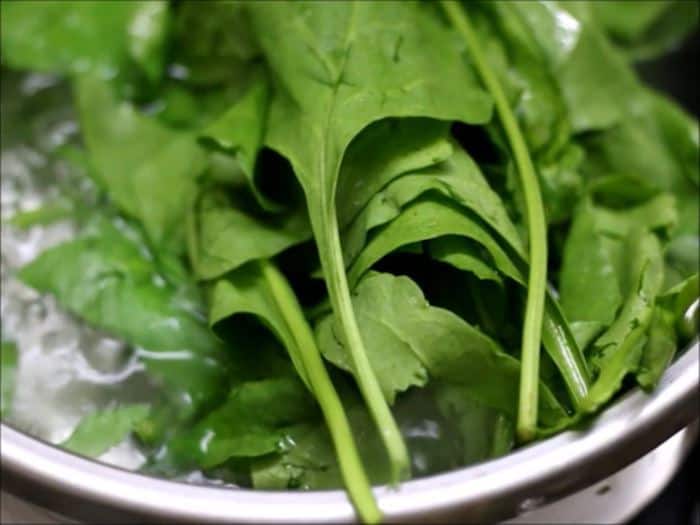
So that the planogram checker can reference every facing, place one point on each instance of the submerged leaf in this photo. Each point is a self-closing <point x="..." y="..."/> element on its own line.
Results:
<point x="8" y="375"/>
<point x="110" y="280"/>
<point x="254" y="421"/>
<point x="100" y="431"/>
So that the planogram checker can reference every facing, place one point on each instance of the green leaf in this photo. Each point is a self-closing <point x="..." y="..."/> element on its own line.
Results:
<point x="395" y="357"/>
<point x="409" y="341"/>
<point x="595" y="82"/>
<point x="463" y="254"/>
<point x="619" y="350"/>
<point x="383" y="151"/>
<point x="100" y="431"/>
<point x="659" y="350"/>
<point x="56" y="211"/>
<point x="593" y="268"/>
<point x="484" y="220"/>
<point x="247" y="291"/>
<point x="240" y="132"/>
<point x="561" y="183"/>
<point x="310" y="463"/>
<point x="656" y="148"/>
<point x="134" y="158"/>
<point x="457" y="178"/>
<point x="338" y="68"/>
<point x="678" y="302"/>
<point x="645" y="30"/>
<point x="8" y="373"/>
<point x="589" y="286"/>
<point x="487" y="433"/>
<point x="212" y="43"/>
<point x="682" y="259"/>
<point x="252" y="422"/>
<point x="79" y="36"/>
<point x="522" y="62"/>
<point x="261" y="290"/>
<point x="444" y="430"/>
<point x="109" y="279"/>
<point x="226" y="233"/>
<point x="429" y="217"/>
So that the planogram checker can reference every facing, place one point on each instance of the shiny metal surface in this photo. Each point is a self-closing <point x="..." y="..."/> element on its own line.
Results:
<point x="491" y="491"/>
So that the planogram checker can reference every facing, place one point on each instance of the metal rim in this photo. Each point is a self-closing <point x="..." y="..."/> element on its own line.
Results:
<point x="494" y="490"/>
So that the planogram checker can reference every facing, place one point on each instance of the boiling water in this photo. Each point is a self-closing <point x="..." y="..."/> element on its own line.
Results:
<point x="66" y="369"/>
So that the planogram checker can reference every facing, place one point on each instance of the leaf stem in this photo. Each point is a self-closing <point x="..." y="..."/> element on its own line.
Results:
<point x="537" y="227"/>
<point x="339" y="292"/>
<point x="351" y="467"/>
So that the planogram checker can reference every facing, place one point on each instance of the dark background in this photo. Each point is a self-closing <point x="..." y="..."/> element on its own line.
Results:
<point x="677" y="75"/>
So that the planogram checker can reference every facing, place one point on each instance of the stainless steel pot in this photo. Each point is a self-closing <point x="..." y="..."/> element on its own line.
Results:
<point x="538" y="474"/>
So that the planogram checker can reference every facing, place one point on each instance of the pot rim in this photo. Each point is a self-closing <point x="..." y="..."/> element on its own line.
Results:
<point x="497" y="489"/>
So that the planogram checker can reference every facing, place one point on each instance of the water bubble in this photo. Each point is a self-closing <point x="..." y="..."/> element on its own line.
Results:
<point x="285" y="443"/>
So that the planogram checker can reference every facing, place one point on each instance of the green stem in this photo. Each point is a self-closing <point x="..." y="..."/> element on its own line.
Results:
<point x="339" y="293"/>
<point x="537" y="228"/>
<point x="567" y="356"/>
<point x="351" y="467"/>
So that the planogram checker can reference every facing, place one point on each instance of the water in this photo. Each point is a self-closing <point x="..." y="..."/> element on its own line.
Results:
<point x="66" y="369"/>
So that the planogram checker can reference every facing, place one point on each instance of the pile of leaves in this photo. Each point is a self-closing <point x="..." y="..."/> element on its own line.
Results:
<point x="323" y="223"/>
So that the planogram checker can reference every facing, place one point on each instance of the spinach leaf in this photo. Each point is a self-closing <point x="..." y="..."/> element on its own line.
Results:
<point x="109" y="278"/>
<point x="429" y="217"/>
<point x="679" y="301"/>
<point x="100" y="431"/>
<point x="225" y="233"/>
<point x="395" y="357"/>
<point x="443" y="428"/>
<point x="78" y="36"/>
<point x="408" y="341"/>
<point x="240" y="132"/>
<point x="247" y="291"/>
<point x="486" y="433"/>
<point x="213" y="42"/>
<point x="134" y="158"/>
<point x="56" y="211"/>
<point x="457" y="178"/>
<point x="522" y="65"/>
<point x="659" y="349"/>
<point x="338" y="68"/>
<point x="310" y="463"/>
<point x="536" y="224"/>
<point x="261" y="290"/>
<point x="8" y="373"/>
<point x="383" y="151"/>
<point x="432" y="217"/>
<point x="682" y="260"/>
<point x="619" y="350"/>
<point x="593" y="259"/>
<point x="644" y="30"/>
<point x="656" y="148"/>
<point x="594" y="80"/>
<point x="252" y="422"/>
<point x="464" y="254"/>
